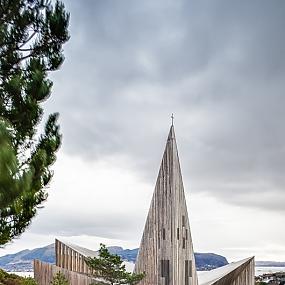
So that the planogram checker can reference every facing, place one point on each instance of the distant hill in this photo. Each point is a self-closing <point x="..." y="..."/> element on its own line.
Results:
<point x="270" y="264"/>
<point x="208" y="261"/>
<point x="23" y="260"/>
<point x="126" y="254"/>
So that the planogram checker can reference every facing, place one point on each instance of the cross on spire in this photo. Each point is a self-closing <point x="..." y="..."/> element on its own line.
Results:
<point x="172" y="119"/>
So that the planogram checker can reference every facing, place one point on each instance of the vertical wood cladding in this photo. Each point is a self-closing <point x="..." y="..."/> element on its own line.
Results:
<point x="235" y="273"/>
<point x="167" y="235"/>
<point x="70" y="259"/>
<point x="243" y="275"/>
<point x="44" y="273"/>
<point x="166" y="242"/>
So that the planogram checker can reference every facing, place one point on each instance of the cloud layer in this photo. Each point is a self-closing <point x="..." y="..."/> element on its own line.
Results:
<point x="219" y="66"/>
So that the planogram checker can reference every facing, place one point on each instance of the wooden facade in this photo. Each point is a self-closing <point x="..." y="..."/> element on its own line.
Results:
<point x="166" y="251"/>
<point x="44" y="273"/>
<point x="72" y="257"/>
<point x="237" y="273"/>
<point x="70" y="260"/>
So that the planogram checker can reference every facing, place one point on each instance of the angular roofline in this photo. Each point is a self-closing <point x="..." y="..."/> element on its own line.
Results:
<point x="212" y="276"/>
<point x="82" y="250"/>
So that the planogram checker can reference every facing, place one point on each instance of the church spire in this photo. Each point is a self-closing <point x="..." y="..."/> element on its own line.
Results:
<point x="166" y="250"/>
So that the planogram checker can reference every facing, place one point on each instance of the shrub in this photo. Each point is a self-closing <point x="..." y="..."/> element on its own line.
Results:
<point x="29" y="281"/>
<point x="14" y="279"/>
<point x="59" y="279"/>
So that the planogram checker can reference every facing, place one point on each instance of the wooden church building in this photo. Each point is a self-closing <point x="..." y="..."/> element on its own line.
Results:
<point x="166" y="251"/>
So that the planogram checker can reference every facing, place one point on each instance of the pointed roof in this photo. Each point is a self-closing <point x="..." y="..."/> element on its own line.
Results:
<point x="166" y="250"/>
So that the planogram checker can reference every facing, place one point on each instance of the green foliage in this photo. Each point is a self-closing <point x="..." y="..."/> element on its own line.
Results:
<point x="32" y="33"/>
<point x="29" y="281"/>
<point x="59" y="279"/>
<point x="110" y="269"/>
<point x="13" y="279"/>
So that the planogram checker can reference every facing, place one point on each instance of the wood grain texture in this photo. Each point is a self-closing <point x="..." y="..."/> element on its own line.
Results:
<point x="44" y="273"/>
<point x="69" y="258"/>
<point x="167" y="235"/>
<point x="235" y="273"/>
<point x="244" y="275"/>
<point x="166" y="250"/>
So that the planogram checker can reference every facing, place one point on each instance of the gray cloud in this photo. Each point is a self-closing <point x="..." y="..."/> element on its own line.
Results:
<point x="77" y="223"/>
<point x="218" y="65"/>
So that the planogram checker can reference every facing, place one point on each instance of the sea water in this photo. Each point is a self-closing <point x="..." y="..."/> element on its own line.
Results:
<point x="264" y="270"/>
<point x="129" y="266"/>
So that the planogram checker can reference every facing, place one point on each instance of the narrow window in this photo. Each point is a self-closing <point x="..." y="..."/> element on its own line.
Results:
<point x="167" y="279"/>
<point x="190" y="268"/>
<point x="162" y="268"/>
<point x="186" y="234"/>
<point x="188" y="271"/>
<point x="184" y="243"/>
<point x="163" y="233"/>
<point x="183" y="221"/>
<point x="165" y="270"/>
<point x="177" y="233"/>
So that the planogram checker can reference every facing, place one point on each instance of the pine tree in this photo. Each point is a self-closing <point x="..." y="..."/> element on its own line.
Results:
<point x="32" y="33"/>
<point x="59" y="279"/>
<point x="108" y="268"/>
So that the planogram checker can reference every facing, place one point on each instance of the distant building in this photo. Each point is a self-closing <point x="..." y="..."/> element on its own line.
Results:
<point x="272" y="278"/>
<point x="166" y="251"/>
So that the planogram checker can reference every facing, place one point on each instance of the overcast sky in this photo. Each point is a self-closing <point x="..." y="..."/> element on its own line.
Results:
<point x="219" y="66"/>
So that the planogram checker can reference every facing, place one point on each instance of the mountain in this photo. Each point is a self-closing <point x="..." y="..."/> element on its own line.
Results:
<point x="23" y="260"/>
<point x="208" y="261"/>
<point x="126" y="254"/>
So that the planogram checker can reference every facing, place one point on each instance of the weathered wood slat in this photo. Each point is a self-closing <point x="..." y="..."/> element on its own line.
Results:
<point x="44" y="273"/>
<point x="68" y="258"/>
<point x="167" y="237"/>
<point x="236" y="273"/>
